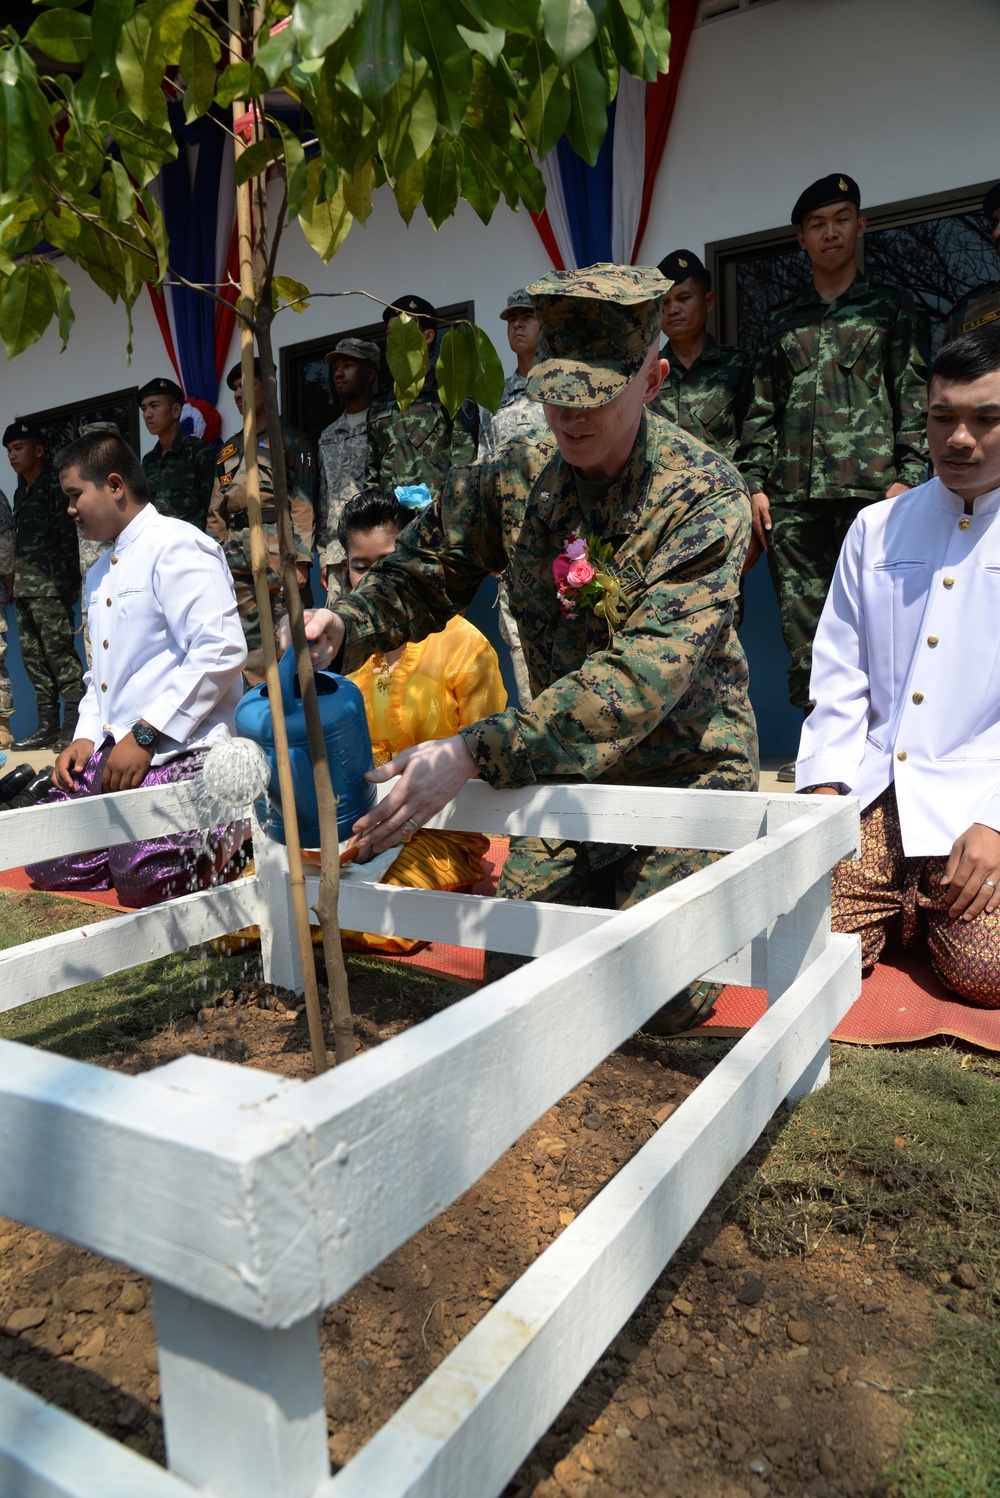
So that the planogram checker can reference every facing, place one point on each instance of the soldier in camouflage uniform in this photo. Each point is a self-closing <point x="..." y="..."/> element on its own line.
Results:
<point x="229" y="520"/>
<point x="659" y="699"/>
<point x="180" y="469"/>
<point x="6" y="594"/>
<point x="421" y="444"/>
<point x="836" y="418"/>
<point x="708" y="387"/>
<point x="343" y="446"/>
<point x="46" y="584"/>
<point x="982" y="305"/>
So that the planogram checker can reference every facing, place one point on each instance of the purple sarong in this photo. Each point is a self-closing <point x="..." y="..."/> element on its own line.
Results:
<point x="158" y="869"/>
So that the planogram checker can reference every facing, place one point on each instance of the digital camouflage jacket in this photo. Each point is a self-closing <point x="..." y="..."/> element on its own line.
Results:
<point x="181" y="479"/>
<point x="663" y="702"/>
<point x="47" y="558"/>
<point x="839" y="398"/>
<point x="709" y="398"/>
<point x="419" y="445"/>
<point x="229" y="521"/>
<point x="974" y="310"/>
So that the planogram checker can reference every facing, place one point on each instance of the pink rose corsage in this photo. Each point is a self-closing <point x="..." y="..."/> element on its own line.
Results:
<point x="582" y="578"/>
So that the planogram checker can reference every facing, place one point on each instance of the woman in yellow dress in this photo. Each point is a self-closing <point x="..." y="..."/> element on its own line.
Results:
<point x="425" y="690"/>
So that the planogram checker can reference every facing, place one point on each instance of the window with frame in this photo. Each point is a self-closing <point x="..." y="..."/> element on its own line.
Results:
<point x="308" y="402"/>
<point x="60" y="424"/>
<point x="936" y="248"/>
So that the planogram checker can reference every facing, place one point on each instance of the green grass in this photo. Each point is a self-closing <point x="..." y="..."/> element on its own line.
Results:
<point x="905" y="1145"/>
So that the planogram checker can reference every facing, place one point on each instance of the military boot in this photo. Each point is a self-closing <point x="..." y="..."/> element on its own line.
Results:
<point x="66" y="735"/>
<point x="44" y="735"/>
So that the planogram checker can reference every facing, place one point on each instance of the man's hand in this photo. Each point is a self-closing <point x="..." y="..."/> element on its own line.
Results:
<point x="760" y="514"/>
<point x="971" y="877"/>
<point x="430" y="775"/>
<point x="73" y="758"/>
<point x="324" y="577"/>
<point x="896" y="489"/>
<point x="824" y="790"/>
<point x="302" y="574"/>
<point x="324" y="631"/>
<point x="754" y="553"/>
<point x="126" y="765"/>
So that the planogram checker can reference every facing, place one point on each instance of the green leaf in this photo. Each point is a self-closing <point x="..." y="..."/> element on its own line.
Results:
<point x="170" y="20"/>
<point x="25" y="114"/>
<point x="468" y="366"/>
<point x="60" y="4"/>
<point x="276" y="55"/>
<point x="156" y="232"/>
<point x="117" y="200"/>
<point x="25" y="308"/>
<point x="142" y="62"/>
<point x="358" y="189"/>
<point x="198" y="71"/>
<point x="480" y="189"/>
<point x="61" y="34"/>
<point x="409" y="117"/>
<point x="588" y="119"/>
<point x="406" y="356"/>
<point x="632" y="37"/>
<point x="145" y="148"/>
<point x="317" y="24"/>
<point x="61" y="228"/>
<point x="107" y="19"/>
<point x="377" y="52"/>
<point x="234" y="83"/>
<point x="61" y="306"/>
<point x="295" y="169"/>
<point x="431" y="32"/>
<point x="327" y="224"/>
<point x="520" y="16"/>
<point x="255" y="160"/>
<point x="545" y="90"/>
<point x="570" y="27"/>
<point x="442" y="180"/>
<point x="477" y="29"/>
<point x="408" y="189"/>
<point x="293" y="292"/>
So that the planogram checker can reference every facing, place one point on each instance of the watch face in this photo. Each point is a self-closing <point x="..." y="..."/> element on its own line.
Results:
<point x="145" y="736"/>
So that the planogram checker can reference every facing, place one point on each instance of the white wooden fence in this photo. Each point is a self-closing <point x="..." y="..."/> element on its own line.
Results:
<point x="253" y="1202"/>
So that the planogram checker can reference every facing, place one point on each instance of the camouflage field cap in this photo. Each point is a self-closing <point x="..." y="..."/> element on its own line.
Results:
<point x="518" y="301"/>
<point x="597" y="327"/>
<point x="355" y="348"/>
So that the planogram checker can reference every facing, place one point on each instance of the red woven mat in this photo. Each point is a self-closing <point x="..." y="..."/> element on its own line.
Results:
<point x="18" y="879"/>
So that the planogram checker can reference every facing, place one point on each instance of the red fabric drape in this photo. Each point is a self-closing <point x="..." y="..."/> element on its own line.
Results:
<point x="660" y="106"/>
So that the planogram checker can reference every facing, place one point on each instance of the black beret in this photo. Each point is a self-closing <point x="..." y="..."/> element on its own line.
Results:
<point x="838" y="187"/>
<point x="18" y="431"/>
<point x="162" y="387"/>
<point x="236" y="373"/>
<point x="991" y="202"/>
<point x="681" y="264"/>
<point x="416" y="306"/>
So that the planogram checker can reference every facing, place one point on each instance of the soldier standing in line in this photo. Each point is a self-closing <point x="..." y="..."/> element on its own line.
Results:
<point x="982" y="305"/>
<point x="516" y="416"/>
<point x="836" y="418"/>
<point x="229" y="520"/>
<point x="708" y="387"/>
<point x="342" y="447"/>
<point x="6" y="595"/>
<point x="46" y="586"/>
<point x="419" y="445"/>
<point x="642" y="680"/>
<point x="180" y="469"/>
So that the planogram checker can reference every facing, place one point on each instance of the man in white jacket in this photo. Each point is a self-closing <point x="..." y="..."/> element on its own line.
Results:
<point x="906" y="687"/>
<point x="167" y="656"/>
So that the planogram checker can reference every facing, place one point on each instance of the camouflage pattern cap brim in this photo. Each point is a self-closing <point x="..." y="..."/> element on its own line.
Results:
<point x="597" y="328"/>
<point x="355" y="348"/>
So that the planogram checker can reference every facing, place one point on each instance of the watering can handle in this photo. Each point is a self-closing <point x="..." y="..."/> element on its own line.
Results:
<point x="286" y="675"/>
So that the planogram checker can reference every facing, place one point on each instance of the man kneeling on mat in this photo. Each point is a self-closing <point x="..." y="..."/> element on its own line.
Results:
<point x="164" y="681"/>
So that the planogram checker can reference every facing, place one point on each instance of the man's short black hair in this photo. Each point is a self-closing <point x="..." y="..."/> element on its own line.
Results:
<point x="95" y="455"/>
<point x="372" y="510"/>
<point x="970" y="356"/>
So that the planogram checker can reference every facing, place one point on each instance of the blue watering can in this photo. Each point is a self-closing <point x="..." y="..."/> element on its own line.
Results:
<point x="348" y="748"/>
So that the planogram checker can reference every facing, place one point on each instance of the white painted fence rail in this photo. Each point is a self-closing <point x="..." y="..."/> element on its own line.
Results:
<point x="253" y="1202"/>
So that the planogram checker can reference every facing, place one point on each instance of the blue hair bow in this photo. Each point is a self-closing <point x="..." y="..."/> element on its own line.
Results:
<point x="413" y="496"/>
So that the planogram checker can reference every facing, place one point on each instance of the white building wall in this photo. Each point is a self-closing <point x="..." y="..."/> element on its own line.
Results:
<point x="900" y="93"/>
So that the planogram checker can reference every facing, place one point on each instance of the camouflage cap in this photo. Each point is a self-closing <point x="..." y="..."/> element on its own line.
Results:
<point x="162" y="387"/>
<point x="991" y="201"/>
<point x="355" y="348"/>
<point x="838" y="187"/>
<point x="22" y="431"/>
<point x="518" y="301"/>
<point x="597" y="328"/>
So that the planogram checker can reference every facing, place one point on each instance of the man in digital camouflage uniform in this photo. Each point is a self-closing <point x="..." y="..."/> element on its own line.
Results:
<point x="229" y="520"/>
<point x="180" y="469"/>
<point x="516" y="417"/>
<point x="981" y="306"/>
<point x="708" y="386"/>
<point x="342" y="448"/>
<point x="46" y="586"/>
<point x="836" y="418"/>
<point x="6" y="595"/>
<point x="419" y="445"/>
<point x="662" y="701"/>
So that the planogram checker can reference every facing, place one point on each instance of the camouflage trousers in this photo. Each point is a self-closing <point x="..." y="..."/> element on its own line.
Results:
<point x="512" y="639"/>
<point x="802" y="557"/>
<point x="609" y="876"/>
<point x="48" y="649"/>
<point x="6" y="692"/>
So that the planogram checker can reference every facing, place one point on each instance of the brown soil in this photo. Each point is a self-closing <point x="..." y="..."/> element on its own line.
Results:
<point x="735" y="1378"/>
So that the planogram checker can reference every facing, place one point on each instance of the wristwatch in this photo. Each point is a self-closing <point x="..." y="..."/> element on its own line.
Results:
<point x="145" y="735"/>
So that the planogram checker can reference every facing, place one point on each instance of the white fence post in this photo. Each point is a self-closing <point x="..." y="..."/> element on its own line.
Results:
<point x="279" y="948"/>
<point x="243" y="1407"/>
